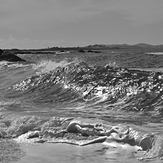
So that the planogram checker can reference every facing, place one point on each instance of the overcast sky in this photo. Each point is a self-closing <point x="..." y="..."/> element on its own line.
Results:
<point x="48" y="23"/>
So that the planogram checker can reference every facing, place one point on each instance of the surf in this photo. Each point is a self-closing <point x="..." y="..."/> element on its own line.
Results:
<point x="33" y="94"/>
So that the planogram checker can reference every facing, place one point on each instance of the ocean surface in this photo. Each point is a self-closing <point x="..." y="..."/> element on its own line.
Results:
<point x="107" y="88"/>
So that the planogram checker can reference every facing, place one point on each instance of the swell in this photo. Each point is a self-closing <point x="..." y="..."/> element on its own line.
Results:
<point x="64" y="84"/>
<point x="77" y="82"/>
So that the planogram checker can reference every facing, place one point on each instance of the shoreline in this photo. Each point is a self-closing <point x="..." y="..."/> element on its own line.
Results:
<point x="50" y="153"/>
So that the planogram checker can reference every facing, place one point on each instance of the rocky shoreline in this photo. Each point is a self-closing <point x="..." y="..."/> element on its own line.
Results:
<point x="6" y="56"/>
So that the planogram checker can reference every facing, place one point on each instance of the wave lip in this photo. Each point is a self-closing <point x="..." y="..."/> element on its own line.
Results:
<point x="115" y="88"/>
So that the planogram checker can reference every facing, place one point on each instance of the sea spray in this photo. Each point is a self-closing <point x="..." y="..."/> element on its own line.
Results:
<point x="65" y="82"/>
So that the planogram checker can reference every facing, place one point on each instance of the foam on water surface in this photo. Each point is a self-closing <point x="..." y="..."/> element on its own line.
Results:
<point x="33" y="95"/>
<point x="67" y="153"/>
<point x="50" y="153"/>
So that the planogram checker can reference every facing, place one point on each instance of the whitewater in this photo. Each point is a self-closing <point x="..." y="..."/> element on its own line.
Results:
<point x="38" y="96"/>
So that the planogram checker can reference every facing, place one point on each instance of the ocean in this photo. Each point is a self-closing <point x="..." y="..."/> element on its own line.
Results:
<point x="109" y="88"/>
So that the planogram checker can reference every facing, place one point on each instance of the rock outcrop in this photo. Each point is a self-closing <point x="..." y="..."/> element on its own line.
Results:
<point x="5" y="56"/>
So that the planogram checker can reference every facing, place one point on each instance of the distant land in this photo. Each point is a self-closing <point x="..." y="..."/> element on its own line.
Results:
<point x="123" y="46"/>
<point x="142" y="46"/>
<point x="122" y="55"/>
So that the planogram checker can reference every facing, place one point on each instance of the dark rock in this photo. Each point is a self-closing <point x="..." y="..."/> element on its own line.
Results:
<point x="1" y="52"/>
<point x="93" y="51"/>
<point x="81" y="51"/>
<point x="90" y="51"/>
<point x="6" y="56"/>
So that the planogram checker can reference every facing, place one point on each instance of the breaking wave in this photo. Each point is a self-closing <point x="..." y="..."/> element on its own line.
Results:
<point x="111" y="87"/>
<point x="35" y="99"/>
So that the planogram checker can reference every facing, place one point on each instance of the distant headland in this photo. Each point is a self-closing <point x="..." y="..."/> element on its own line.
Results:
<point x="13" y="55"/>
<point x="93" y="47"/>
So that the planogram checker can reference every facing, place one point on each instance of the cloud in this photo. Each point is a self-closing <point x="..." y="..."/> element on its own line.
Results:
<point x="35" y="19"/>
<point x="26" y="14"/>
<point x="29" y="16"/>
<point x="41" y="11"/>
<point x="59" y="19"/>
<point x="38" y="10"/>
<point x="140" y="11"/>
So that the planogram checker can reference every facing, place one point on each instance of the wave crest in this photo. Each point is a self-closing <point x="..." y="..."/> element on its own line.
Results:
<point x="116" y="88"/>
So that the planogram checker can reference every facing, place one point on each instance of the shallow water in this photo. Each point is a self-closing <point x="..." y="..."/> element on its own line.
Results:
<point x="31" y="94"/>
<point x="67" y="153"/>
<point x="96" y="153"/>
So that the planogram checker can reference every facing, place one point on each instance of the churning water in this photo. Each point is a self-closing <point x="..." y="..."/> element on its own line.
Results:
<point x="32" y="94"/>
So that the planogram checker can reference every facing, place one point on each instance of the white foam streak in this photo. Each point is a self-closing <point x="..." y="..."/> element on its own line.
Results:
<point x="47" y="66"/>
<point x="3" y="63"/>
<point x="155" y="53"/>
<point x="24" y="138"/>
